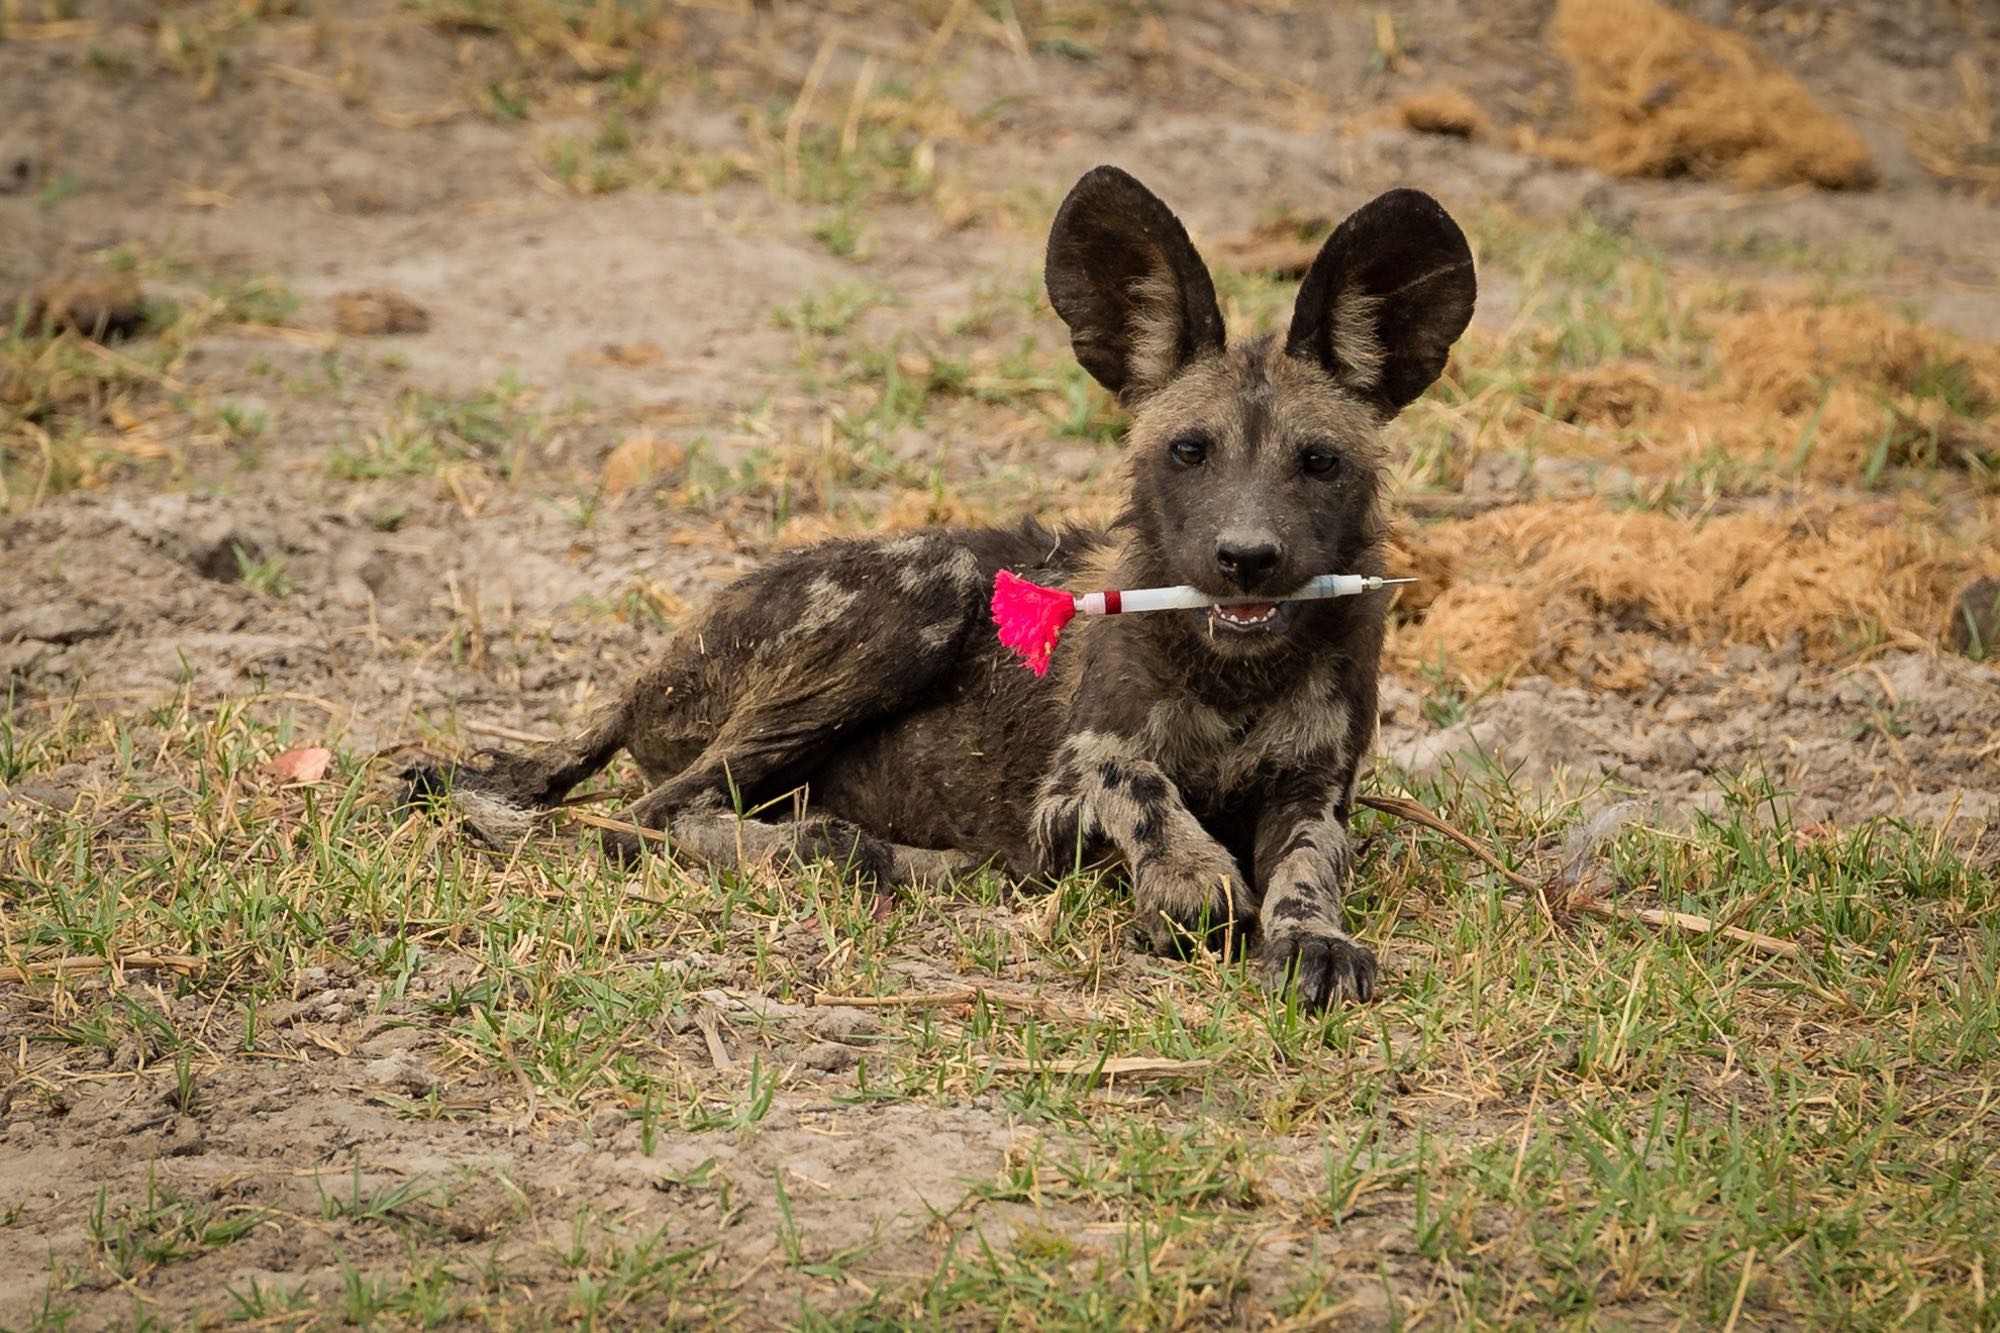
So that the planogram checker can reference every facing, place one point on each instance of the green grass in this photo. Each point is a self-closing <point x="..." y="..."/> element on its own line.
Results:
<point x="131" y="1240"/>
<point x="547" y="28"/>
<point x="75" y="414"/>
<point x="872" y="382"/>
<point x="426" y="433"/>
<point x="1560" y="1120"/>
<point x="620" y="155"/>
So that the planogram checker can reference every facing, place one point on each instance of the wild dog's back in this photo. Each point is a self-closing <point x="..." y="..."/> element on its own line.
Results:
<point x="953" y="765"/>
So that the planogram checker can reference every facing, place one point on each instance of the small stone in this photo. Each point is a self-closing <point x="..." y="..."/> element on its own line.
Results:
<point x="20" y="162"/>
<point x="382" y="1038"/>
<point x="185" y="1139"/>
<point x="843" y="1023"/>
<point x="100" y="304"/>
<point x="20" y="1129"/>
<point x="403" y="1072"/>
<point x="377" y="313"/>
<point x="1442" y="110"/>
<point x="830" y="1056"/>
<point x="1674" y="751"/>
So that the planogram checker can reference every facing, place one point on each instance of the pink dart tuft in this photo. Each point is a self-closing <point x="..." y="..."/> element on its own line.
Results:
<point x="1030" y="617"/>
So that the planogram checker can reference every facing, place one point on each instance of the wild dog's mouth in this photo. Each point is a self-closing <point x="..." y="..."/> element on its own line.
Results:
<point x="1249" y="617"/>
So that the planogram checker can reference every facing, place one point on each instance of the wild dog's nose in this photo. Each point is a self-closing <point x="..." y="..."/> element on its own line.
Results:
<point x="1245" y="558"/>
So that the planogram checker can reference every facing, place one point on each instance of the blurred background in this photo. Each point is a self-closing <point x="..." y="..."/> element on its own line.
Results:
<point x="512" y="327"/>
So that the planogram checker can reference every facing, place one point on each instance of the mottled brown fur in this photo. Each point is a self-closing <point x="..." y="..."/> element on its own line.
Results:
<point x="1216" y="765"/>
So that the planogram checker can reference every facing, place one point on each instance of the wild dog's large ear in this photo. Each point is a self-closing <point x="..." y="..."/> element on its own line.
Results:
<point x="1388" y="295"/>
<point x="1125" y="278"/>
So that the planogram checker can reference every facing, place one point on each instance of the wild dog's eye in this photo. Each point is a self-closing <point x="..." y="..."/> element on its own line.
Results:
<point x="1319" y="462"/>
<point x="1189" y="450"/>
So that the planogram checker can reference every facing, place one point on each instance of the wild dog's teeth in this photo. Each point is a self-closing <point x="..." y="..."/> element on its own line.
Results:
<point x="1254" y="613"/>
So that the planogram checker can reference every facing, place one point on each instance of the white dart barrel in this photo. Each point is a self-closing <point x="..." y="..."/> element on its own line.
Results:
<point x="1149" y="599"/>
<point x="1186" y="598"/>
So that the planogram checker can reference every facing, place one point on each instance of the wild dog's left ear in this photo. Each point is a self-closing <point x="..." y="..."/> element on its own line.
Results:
<point x="1388" y="295"/>
<point x="1124" y="276"/>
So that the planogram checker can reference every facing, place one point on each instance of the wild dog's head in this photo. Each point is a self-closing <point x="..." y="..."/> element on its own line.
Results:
<point x="1255" y="467"/>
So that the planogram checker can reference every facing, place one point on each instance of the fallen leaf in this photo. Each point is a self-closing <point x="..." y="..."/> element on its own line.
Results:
<point x="620" y="356"/>
<point x="638" y="459"/>
<point x="306" y="763"/>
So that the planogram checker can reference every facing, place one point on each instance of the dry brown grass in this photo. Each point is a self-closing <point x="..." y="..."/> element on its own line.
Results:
<point x="1572" y="589"/>
<point x="1857" y="381"/>
<point x="1660" y="94"/>
<point x="1617" y="393"/>
<point x="1834" y="393"/>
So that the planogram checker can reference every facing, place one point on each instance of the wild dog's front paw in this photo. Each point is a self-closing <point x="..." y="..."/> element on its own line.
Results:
<point x="499" y="823"/>
<point x="492" y="814"/>
<point x="1325" y="965"/>
<point x="1184" y="902"/>
<point x="423" y="783"/>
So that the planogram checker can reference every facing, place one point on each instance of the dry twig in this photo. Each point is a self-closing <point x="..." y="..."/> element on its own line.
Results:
<point x="1403" y="808"/>
<point x="1117" y="1066"/>
<point x="43" y="969"/>
<point x="936" y="1000"/>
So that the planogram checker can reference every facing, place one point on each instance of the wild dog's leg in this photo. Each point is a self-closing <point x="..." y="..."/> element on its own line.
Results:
<point x="1303" y="859"/>
<point x="696" y="812"/>
<point x="1103" y="790"/>
<point x="498" y="791"/>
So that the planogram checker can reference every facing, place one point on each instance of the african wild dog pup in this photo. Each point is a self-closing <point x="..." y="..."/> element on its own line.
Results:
<point x="1213" y="753"/>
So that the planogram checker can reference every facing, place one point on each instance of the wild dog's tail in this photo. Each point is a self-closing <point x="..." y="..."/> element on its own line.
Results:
<point x="499" y="791"/>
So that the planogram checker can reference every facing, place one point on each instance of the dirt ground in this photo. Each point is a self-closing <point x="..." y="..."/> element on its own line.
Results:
<point x="701" y="281"/>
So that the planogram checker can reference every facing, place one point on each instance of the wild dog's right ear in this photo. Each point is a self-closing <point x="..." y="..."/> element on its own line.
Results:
<point x="1388" y="295"/>
<point x="1125" y="278"/>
